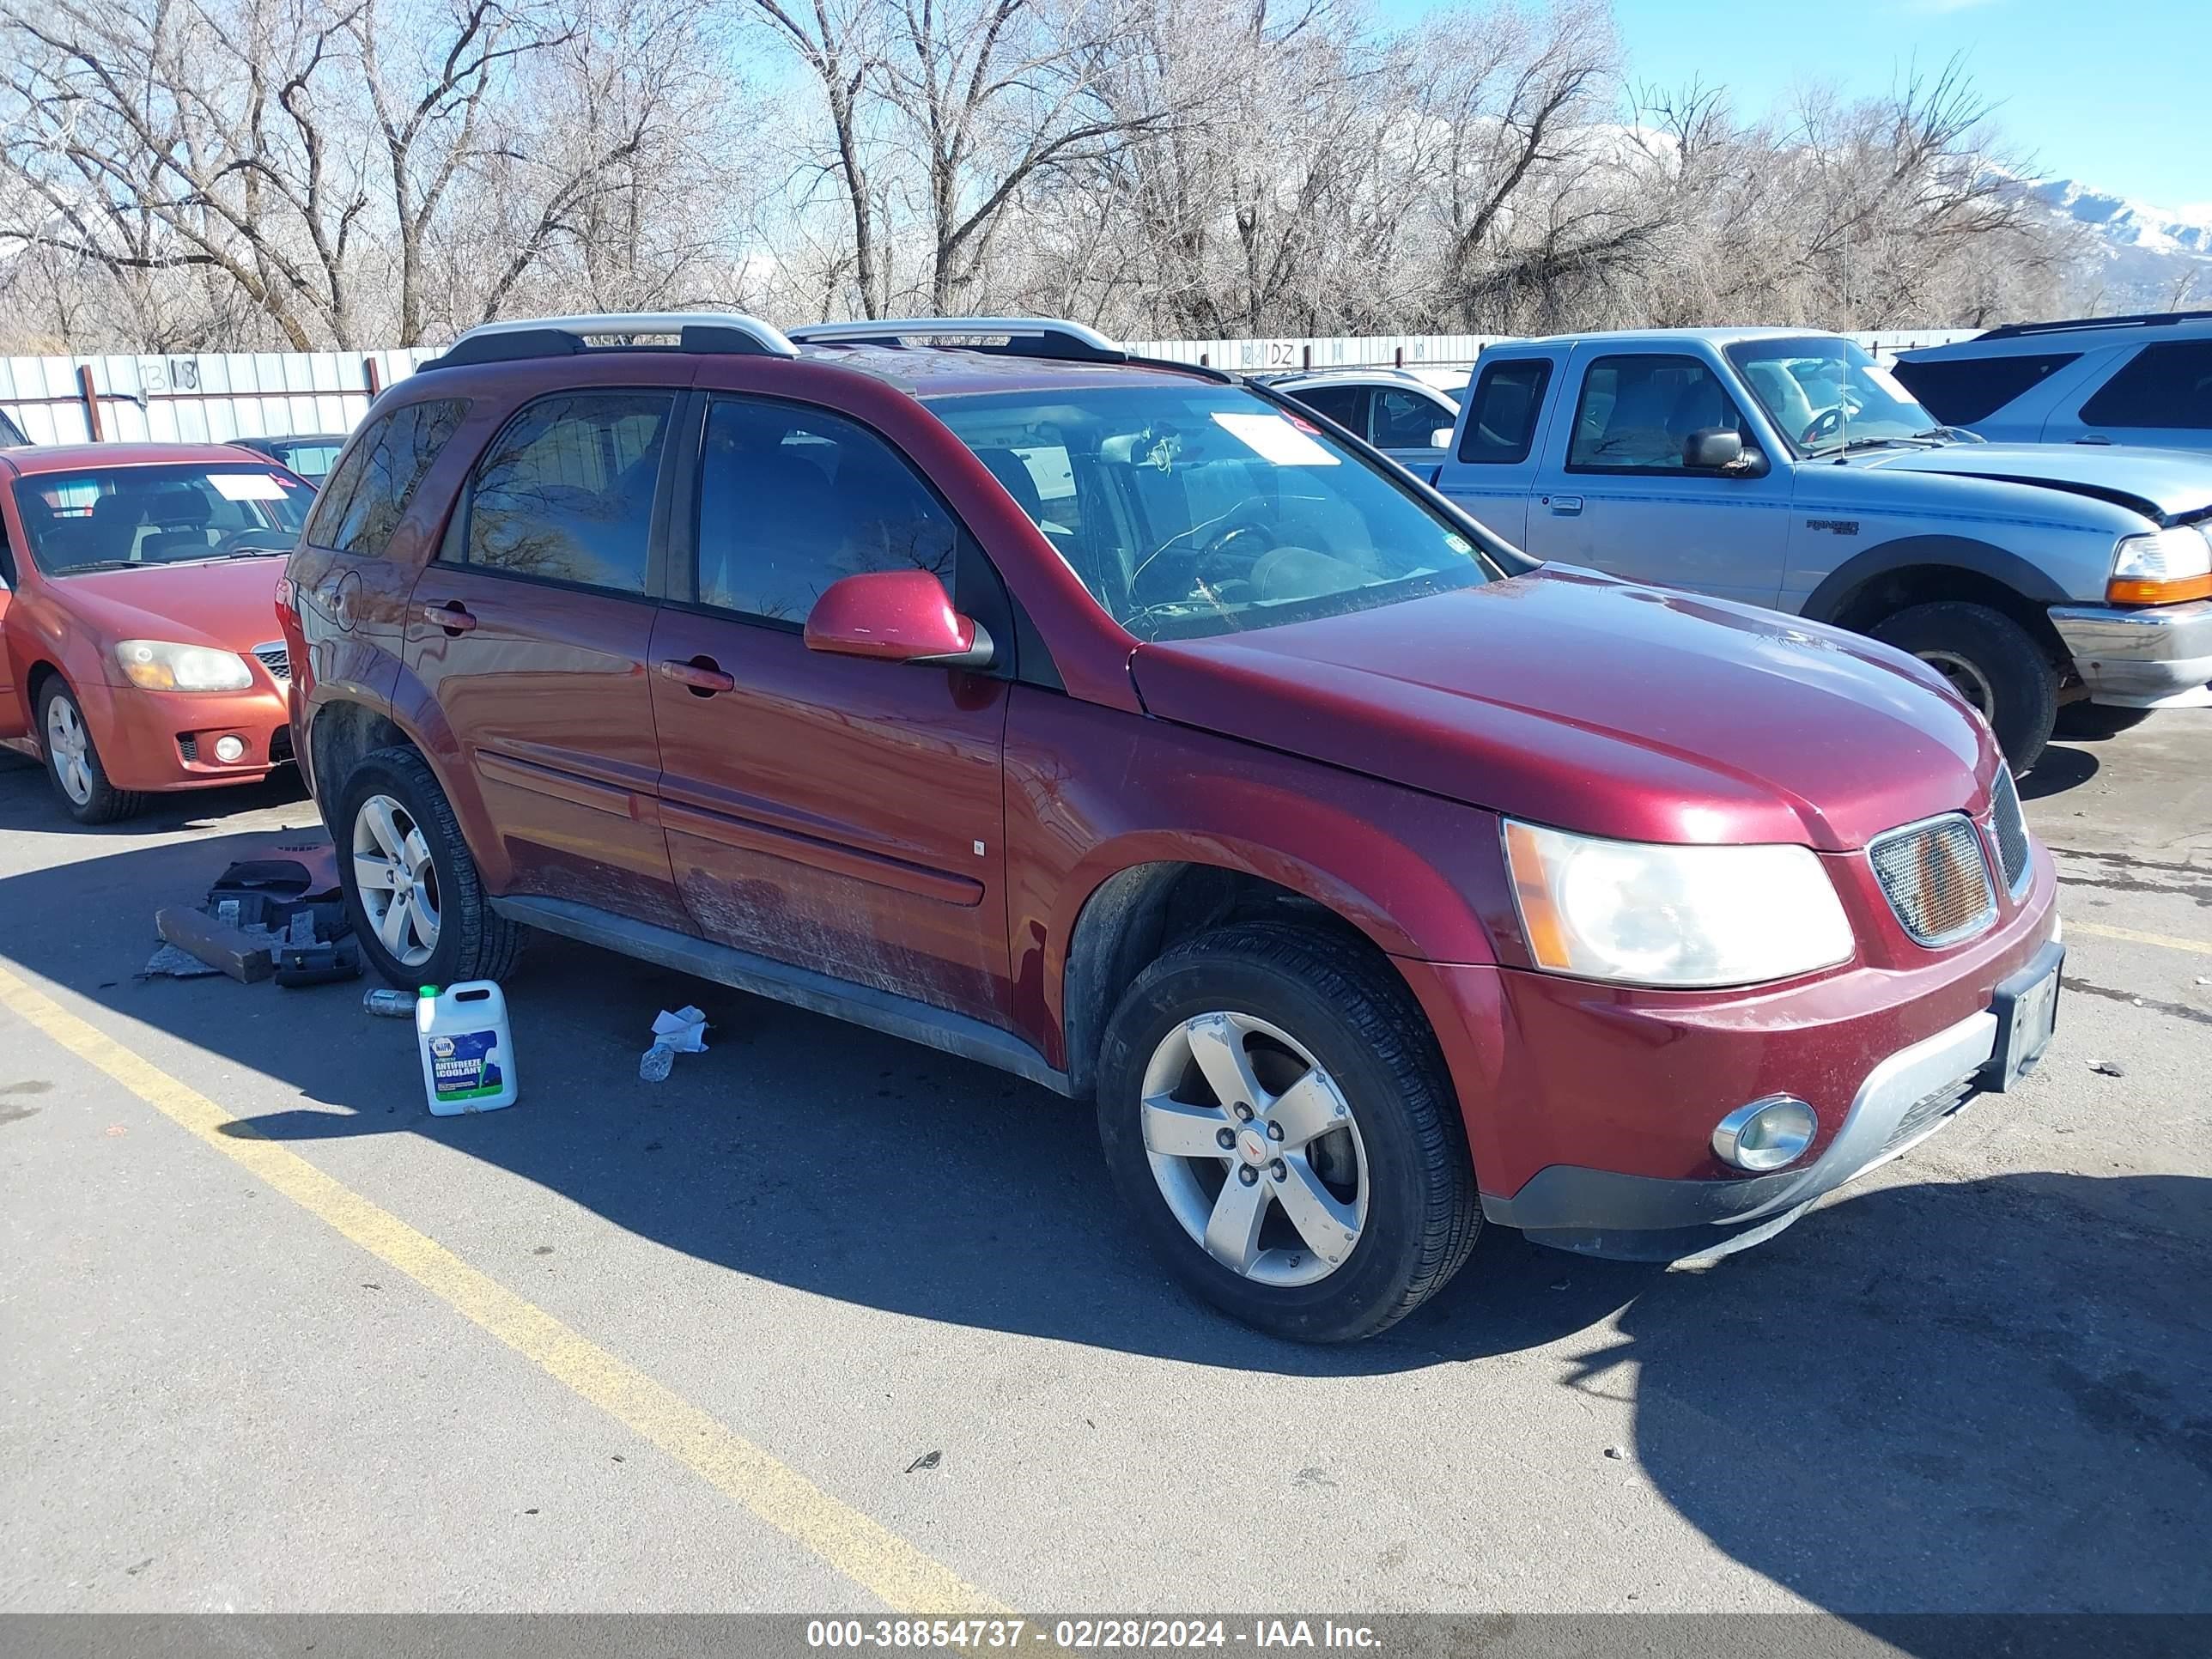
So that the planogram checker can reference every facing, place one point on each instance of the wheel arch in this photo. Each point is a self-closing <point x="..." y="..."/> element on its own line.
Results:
<point x="1911" y="570"/>
<point x="343" y="730"/>
<point x="1135" y="914"/>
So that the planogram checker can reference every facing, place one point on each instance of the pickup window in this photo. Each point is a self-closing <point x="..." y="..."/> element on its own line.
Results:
<point x="1638" y="413"/>
<point x="1501" y="420"/>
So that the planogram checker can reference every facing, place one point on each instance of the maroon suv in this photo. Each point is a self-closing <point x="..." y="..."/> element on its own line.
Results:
<point x="1124" y="726"/>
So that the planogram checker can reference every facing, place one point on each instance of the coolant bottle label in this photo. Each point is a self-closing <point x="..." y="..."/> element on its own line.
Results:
<point x="462" y="1066"/>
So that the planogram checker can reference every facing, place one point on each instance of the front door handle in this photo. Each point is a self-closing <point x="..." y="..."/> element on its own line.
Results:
<point x="702" y="676"/>
<point x="1566" y="506"/>
<point x="2108" y="442"/>
<point x="453" y="616"/>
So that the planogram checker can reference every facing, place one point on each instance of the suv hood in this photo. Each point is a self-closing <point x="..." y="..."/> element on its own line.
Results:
<point x="228" y="603"/>
<point x="1572" y="699"/>
<point x="2164" y="484"/>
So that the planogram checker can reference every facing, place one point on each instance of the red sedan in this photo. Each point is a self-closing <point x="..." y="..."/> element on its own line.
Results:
<point x="142" y="647"/>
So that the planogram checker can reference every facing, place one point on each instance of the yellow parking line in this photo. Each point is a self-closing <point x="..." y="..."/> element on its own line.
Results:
<point x="2200" y="946"/>
<point x="869" y="1554"/>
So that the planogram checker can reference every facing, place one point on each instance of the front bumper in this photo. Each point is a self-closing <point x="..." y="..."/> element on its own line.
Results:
<point x="1904" y="1099"/>
<point x="166" y="739"/>
<point x="2157" y="656"/>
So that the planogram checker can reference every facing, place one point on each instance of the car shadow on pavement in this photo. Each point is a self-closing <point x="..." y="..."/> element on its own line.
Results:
<point x="1978" y="1396"/>
<point x="2061" y="766"/>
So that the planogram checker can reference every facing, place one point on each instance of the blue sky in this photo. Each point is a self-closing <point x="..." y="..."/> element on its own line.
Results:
<point x="2116" y="93"/>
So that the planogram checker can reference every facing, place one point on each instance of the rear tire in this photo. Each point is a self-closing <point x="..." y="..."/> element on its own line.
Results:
<point x="2097" y="719"/>
<point x="73" y="763"/>
<point x="1391" y="1172"/>
<point x="389" y="799"/>
<point x="1992" y="662"/>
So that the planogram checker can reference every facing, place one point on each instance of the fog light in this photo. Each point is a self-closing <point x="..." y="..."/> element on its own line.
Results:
<point x="227" y="749"/>
<point x="1766" y="1134"/>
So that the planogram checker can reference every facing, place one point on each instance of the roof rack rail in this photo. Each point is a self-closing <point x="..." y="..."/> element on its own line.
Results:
<point x="1010" y="336"/>
<point x="2137" y="319"/>
<point x="725" y="331"/>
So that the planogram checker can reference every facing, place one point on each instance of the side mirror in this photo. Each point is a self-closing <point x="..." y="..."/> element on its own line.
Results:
<point x="1441" y="438"/>
<point x="897" y="616"/>
<point x="1712" y="449"/>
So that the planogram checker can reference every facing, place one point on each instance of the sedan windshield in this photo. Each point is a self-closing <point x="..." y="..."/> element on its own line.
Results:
<point x="123" y="517"/>
<point x="1190" y="512"/>
<point x="1826" y="394"/>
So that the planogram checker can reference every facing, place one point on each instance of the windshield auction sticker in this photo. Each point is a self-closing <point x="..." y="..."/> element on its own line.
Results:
<point x="247" y="486"/>
<point x="1271" y="438"/>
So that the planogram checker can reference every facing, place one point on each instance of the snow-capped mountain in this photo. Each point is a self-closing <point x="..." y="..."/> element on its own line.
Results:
<point x="2144" y="256"/>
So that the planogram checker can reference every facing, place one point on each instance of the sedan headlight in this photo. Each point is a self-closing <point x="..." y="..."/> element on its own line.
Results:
<point x="2171" y="564"/>
<point x="160" y="665"/>
<point x="1642" y="913"/>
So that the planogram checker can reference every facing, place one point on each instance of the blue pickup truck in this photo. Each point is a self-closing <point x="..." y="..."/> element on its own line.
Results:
<point x="1790" y="470"/>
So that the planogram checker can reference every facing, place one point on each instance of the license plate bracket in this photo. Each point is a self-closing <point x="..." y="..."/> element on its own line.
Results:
<point x="2026" y="1005"/>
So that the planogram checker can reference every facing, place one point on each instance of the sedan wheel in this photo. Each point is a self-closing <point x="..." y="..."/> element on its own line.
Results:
<point x="68" y="750"/>
<point x="1255" y="1148"/>
<point x="397" y="882"/>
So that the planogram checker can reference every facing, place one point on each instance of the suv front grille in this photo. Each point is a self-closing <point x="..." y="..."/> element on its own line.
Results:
<point x="276" y="658"/>
<point x="1936" y="879"/>
<point x="1921" y="1117"/>
<point x="2009" y="826"/>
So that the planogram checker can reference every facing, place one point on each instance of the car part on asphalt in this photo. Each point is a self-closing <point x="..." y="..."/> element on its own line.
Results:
<point x="246" y="957"/>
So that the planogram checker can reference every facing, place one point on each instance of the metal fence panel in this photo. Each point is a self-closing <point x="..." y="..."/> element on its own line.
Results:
<point x="218" y="395"/>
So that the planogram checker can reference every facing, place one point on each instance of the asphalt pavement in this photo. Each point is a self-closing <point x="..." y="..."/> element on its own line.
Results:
<point x="828" y="1322"/>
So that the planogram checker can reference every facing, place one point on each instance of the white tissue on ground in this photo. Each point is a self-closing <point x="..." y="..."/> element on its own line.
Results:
<point x="684" y="1032"/>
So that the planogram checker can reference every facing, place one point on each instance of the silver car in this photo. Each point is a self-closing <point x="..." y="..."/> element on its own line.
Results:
<point x="1404" y="416"/>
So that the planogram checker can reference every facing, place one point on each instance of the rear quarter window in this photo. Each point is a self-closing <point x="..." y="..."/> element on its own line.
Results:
<point x="1960" y="390"/>
<point x="363" y="500"/>
<point x="2164" y="386"/>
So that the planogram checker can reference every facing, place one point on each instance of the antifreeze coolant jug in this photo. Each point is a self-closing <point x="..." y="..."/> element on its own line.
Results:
<point x="468" y="1057"/>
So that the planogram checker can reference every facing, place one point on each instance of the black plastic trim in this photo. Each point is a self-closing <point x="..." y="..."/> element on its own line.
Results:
<point x="801" y="987"/>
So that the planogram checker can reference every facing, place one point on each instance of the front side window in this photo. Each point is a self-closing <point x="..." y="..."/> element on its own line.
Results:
<point x="1193" y="510"/>
<point x="361" y="503"/>
<point x="1501" y="422"/>
<point x="1641" y="412"/>
<point x="792" y="499"/>
<point x="2161" y="386"/>
<point x="124" y="518"/>
<point x="1406" y="420"/>
<point x="565" y="492"/>
<point x="1827" y="395"/>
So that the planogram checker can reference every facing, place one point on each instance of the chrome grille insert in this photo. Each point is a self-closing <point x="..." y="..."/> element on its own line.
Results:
<point x="2009" y="827"/>
<point x="276" y="657"/>
<point x="1936" y="879"/>
<point x="1926" y="1114"/>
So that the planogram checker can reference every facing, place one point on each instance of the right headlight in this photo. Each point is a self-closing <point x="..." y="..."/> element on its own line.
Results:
<point x="2160" y="568"/>
<point x="1644" y="914"/>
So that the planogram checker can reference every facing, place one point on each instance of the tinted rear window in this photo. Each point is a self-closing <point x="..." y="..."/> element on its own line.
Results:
<point x="362" y="502"/>
<point x="1959" y="391"/>
<point x="2161" y="386"/>
<point x="1501" y="419"/>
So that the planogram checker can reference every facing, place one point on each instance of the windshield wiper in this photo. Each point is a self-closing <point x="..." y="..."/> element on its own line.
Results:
<point x="1850" y="445"/>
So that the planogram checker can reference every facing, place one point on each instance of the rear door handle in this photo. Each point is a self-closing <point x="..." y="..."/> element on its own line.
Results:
<point x="1566" y="506"/>
<point x="702" y="677"/>
<point x="453" y="616"/>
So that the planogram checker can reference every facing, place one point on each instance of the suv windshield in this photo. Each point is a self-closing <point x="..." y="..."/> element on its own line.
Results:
<point x="1189" y="512"/>
<point x="1826" y="394"/>
<point x="123" y="517"/>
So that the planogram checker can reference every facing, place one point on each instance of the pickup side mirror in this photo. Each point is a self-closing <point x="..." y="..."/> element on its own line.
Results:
<point x="897" y="616"/>
<point x="1441" y="438"/>
<point x="1712" y="449"/>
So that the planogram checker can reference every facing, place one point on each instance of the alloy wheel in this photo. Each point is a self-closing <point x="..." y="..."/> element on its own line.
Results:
<point x="68" y="749"/>
<point x="1966" y="678"/>
<point x="1255" y="1149"/>
<point x="397" y="879"/>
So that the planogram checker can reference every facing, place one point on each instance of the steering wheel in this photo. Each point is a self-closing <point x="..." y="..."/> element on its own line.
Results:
<point x="1171" y="572"/>
<point x="1826" y="424"/>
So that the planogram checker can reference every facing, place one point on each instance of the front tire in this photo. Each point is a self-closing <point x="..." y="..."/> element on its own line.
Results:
<point x="1992" y="662"/>
<point x="73" y="763"/>
<point x="412" y="892"/>
<point x="1274" y="1111"/>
